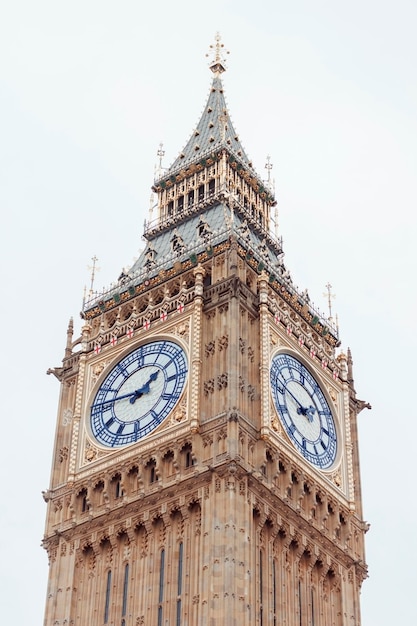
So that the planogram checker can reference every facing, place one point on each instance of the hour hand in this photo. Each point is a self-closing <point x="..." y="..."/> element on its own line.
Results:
<point x="307" y="411"/>
<point x="144" y="389"/>
<point x="302" y="410"/>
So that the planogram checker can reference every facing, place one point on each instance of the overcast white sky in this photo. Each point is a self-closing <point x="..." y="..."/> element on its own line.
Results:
<point x="328" y="89"/>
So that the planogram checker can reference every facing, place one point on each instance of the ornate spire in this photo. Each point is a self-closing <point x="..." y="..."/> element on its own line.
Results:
<point x="215" y="129"/>
<point x="218" y="65"/>
<point x="70" y="332"/>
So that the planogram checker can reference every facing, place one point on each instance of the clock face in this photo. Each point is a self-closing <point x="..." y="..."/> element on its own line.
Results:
<point x="303" y="410"/>
<point x="138" y="393"/>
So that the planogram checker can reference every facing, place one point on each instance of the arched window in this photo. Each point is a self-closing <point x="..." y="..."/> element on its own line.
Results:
<point x="161" y="587"/>
<point x="107" y="602"/>
<point x="179" y="585"/>
<point x="261" y="585"/>
<point x="125" y="586"/>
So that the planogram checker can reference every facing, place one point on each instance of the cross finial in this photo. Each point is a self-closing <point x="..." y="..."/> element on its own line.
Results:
<point x="160" y="153"/>
<point x="330" y="296"/>
<point x="268" y="167"/>
<point x="269" y="181"/>
<point x="218" y="65"/>
<point x="93" y="269"/>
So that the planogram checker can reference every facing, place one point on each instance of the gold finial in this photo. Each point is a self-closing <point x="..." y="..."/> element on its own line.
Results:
<point x="218" y="66"/>
<point x="330" y="296"/>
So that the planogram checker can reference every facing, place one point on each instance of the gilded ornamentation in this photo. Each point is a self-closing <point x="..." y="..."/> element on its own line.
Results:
<point x="180" y="413"/>
<point x="182" y="330"/>
<point x="90" y="452"/>
<point x="332" y="393"/>
<point x="97" y="369"/>
<point x="274" y="339"/>
<point x="337" y="478"/>
<point x="275" y="424"/>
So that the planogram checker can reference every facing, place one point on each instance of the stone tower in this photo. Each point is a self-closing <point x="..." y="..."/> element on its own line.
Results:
<point x="205" y="468"/>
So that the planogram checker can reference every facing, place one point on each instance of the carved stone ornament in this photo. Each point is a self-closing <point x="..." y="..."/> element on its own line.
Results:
<point x="208" y="386"/>
<point x="90" y="452"/>
<point x="337" y="478"/>
<point x="182" y="330"/>
<point x="67" y="417"/>
<point x="332" y="393"/>
<point x="274" y="340"/>
<point x="223" y="342"/>
<point x="210" y="348"/>
<point x="276" y="424"/>
<point x="180" y="413"/>
<point x="97" y="369"/>
<point x="63" y="454"/>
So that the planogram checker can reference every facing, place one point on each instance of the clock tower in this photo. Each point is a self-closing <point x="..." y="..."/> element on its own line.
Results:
<point x="205" y="468"/>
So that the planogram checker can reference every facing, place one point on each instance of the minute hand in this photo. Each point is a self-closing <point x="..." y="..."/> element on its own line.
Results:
<point x="302" y="410"/>
<point x="133" y="395"/>
<point x="111" y="400"/>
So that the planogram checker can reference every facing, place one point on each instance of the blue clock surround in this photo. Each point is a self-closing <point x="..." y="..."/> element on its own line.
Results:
<point x="303" y="410"/>
<point x="138" y="393"/>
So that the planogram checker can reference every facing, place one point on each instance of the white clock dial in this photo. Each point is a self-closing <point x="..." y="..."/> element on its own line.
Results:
<point x="138" y="393"/>
<point x="303" y="410"/>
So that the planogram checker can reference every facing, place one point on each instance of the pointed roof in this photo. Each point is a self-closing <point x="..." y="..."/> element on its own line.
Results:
<point x="214" y="130"/>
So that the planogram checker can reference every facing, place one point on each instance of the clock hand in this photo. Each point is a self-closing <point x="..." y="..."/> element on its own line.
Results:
<point x="110" y="400"/>
<point x="144" y="389"/>
<point x="301" y="410"/>
<point x="132" y="395"/>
